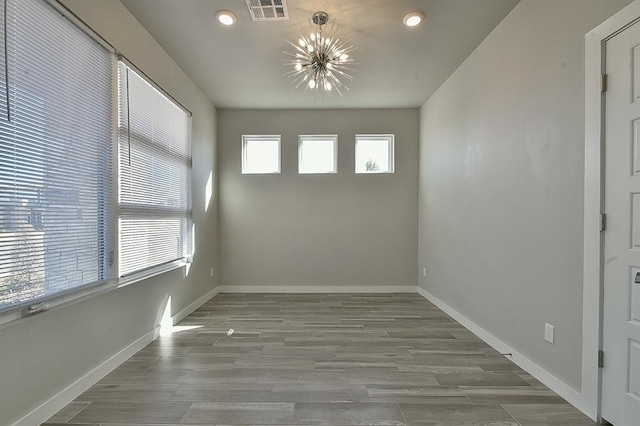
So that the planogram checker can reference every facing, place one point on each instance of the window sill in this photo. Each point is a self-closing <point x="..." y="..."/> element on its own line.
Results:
<point x="15" y="316"/>
<point x="152" y="272"/>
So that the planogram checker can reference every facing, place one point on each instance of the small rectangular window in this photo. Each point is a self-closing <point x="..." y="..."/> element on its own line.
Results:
<point x="260" y="154"/>
<point x="374" y="153"/>
<point x="317" y="154"/>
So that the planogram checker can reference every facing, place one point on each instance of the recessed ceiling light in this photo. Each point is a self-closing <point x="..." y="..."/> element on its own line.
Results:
<point x="412" y="19"/>
<point x="225" y="17"/>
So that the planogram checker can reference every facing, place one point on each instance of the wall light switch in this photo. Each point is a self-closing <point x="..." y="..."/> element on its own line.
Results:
<point x="548" y="332"/>
<point x="424" y="271"/>
<point x="211" y="272"/>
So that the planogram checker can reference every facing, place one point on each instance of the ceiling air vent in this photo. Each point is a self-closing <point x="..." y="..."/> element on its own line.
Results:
<point x="268" y="10"/>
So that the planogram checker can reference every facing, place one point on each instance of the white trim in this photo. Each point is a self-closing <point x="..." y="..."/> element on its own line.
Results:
<point x="552" y="382"/>
<point x="317" y="289"/>
<point x="182" y="314"/>
<point x="593" y="179"/>
<point x="389" y="138"/>
<point x="260" y="138"/>
<point x="71" y="392"/>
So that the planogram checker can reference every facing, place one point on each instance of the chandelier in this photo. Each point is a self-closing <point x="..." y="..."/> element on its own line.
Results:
<point x="320" y="60"/>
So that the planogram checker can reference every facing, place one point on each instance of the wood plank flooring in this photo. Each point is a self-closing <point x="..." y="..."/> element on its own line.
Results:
<point x="319" y="359"/>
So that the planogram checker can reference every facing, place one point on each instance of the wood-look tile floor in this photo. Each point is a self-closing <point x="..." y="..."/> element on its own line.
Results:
<point x="332" y="359"/>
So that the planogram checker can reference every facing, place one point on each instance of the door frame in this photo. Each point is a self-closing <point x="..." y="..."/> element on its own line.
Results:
<point x="593" y="269"/>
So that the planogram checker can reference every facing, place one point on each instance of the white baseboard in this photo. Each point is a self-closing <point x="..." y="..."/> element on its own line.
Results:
<point x="71" y="392"/>
<point x="317" y="289"/>
<point x="193" y="306"/>
<point x="567" y="392"/>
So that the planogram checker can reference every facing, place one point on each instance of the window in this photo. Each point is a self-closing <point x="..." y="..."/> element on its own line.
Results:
<point x="317" y="154"/>
<point x="55" y="155"/>
<point x="59" y="203"/>
<point x="374" y="153"/>
<point x="260" y="154"/>
<point x="154" y="202"/>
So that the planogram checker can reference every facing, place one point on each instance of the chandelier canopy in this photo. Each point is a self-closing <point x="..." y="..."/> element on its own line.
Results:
<point x="320" y="61"/>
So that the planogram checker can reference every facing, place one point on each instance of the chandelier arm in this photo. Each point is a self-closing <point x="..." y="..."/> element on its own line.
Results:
<point x="296" y="71"/>
<point x="298" y="48"/>
<point x="305" y="91"/>
<point x="345" y="68"/>
<point x="297" y="81"/>
<point x="303" y="69"/>
<point x="294" y="76"/>
<point x="335" y="80"/>
<point x="336" y="83"/>
<point x="343" y="74"/>
<point x="347" y="49"/>
<point x="307" y="72"/>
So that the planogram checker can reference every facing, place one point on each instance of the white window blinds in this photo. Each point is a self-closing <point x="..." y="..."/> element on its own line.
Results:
<point x="55" y="154"/>
<point x="155" y="176"/>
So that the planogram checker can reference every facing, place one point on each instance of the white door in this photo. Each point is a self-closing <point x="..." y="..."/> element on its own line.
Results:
<point x="621" y="339"/>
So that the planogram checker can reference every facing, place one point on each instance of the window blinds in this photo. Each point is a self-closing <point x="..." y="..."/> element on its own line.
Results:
<point x="154" y="137"/>
<point x="55" y="154"/>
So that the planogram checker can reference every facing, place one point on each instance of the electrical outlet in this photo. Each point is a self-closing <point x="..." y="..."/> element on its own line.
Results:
<point x="424" y="271"/>
<point x="211" y="272"/>
<point x="548" y="332"/>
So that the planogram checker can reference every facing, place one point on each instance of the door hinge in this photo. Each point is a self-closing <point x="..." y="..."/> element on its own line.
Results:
<point x="603" y="222"/>
<point x="600" y="359"/>
<point x="603" y="83"/>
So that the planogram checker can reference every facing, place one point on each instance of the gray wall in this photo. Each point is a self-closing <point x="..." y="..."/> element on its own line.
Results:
<point x="332" y="229"/>
<point x="41" y="355"/>
<point x="501" y="181"/>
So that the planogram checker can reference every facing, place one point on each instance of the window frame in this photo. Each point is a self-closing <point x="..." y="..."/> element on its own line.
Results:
<point x="257" y="138"/>
<point x="391" y="151"/>
<point x="315" y="137"/>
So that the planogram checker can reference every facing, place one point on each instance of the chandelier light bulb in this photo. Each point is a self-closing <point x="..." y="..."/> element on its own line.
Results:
<point x="320" y="60"/>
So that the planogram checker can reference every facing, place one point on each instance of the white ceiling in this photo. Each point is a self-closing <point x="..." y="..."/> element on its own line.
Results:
<point x="242" y="66"/>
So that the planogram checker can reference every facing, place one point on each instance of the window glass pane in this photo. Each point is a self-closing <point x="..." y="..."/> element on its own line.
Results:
<point x="55" y="156"/>
<point x="317" y="154"/>
<point x="260" y="154"/>
<point x="374" y="154"/>
<point x="157" y="241"/>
